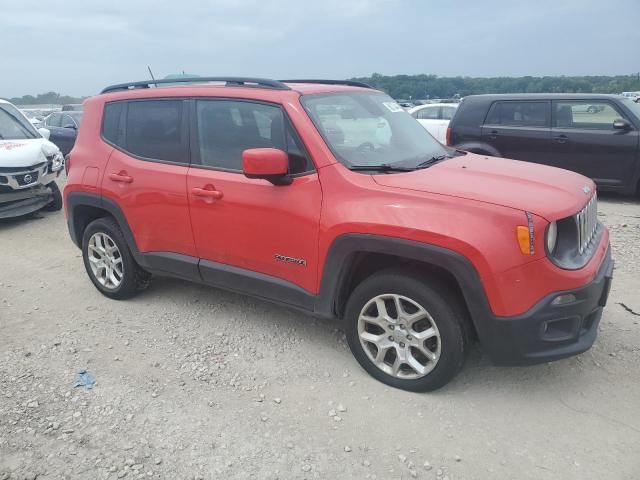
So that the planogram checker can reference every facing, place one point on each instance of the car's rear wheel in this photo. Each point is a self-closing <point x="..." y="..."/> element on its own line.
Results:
<point x="406" y="331"/>
<point x="56" y="203"/>
<point x="108" y="260"/>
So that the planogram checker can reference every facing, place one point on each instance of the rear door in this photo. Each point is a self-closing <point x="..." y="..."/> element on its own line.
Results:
<point x="519" y="129"/>
<point x="65" y="136"/>
<point x="585" y="141"/>
<point x="252" y="224"/>
<point x="147" y="173"/>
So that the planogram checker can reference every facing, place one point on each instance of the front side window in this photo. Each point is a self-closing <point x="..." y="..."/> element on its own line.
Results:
<point x="519" y="114"/>
<point x="155" y="130"/>
<point x="53" y="120"/>
<point x="363" y="128"/>
<point x="13" y="126"/>
<point x="226" y="128"/>
<point x="584" y="115"/>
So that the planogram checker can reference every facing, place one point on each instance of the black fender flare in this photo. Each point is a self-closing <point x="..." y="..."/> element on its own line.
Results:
<point x="77" y="199"/>
<point x="479" y="146"/>
<point x="344" y="249"/>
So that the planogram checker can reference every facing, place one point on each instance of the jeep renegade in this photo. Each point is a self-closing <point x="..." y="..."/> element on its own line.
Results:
<point x="328" y="197"/>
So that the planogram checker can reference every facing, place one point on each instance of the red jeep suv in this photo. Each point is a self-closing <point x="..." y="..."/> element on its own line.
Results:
<point x="328" y="197"/>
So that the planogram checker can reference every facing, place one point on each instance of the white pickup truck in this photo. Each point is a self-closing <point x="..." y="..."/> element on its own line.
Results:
<point x="29" y="165"/>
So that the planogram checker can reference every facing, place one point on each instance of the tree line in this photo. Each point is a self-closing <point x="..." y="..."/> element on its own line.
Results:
<point x="431" y="86"/>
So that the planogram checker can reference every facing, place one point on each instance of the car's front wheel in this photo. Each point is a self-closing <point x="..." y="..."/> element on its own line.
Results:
<point x="108" y="261"/>
<point x="56" y="203"/>
<point x="406" y="331"/>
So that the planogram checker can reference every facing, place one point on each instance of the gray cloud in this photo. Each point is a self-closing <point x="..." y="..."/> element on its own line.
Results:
<point x="78" y="46"/>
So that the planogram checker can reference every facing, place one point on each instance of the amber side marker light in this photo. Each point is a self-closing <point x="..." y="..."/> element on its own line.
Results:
<point x="525" y="236"/>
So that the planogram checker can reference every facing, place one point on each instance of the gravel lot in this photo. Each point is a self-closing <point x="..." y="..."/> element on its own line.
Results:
<point x="196" y="383"/>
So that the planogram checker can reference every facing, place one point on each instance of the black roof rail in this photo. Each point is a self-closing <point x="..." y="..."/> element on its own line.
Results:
<point x="348" y="83"/>
<point x="229" y="81"/>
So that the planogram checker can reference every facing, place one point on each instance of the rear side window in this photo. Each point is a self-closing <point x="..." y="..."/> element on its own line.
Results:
<point x="447" y="112"/>
<point x="155" y="130"/>
<point x="53" y="120"/>
<point x="226" y="128"/>
<point x="429" y="113"/>
<point x="113" y="123"/>
<point x="520" y="114"/>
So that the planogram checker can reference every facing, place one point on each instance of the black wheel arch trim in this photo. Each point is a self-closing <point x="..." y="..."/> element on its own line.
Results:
<point x="344" y="249"/>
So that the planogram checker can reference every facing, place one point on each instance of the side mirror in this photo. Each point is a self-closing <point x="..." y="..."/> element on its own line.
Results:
<point x="267" y="163"/>
<point x="621" y="124"/>
<point x="45" y="132"/>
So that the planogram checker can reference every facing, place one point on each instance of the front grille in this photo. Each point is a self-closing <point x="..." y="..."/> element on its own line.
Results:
<point x="27" y="178"/>
<point x="587" y="221"/>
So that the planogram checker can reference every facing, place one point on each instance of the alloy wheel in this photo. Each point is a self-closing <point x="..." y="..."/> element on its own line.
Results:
<point x="105" y="260"/>
<point x="399" y="336"/>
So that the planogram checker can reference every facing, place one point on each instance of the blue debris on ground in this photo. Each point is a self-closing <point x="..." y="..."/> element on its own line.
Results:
<point x="84" y="379"/>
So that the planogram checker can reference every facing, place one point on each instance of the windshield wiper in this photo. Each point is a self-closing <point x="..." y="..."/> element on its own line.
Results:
<point x="382" y="167"/>
<point x="432" y="160"/>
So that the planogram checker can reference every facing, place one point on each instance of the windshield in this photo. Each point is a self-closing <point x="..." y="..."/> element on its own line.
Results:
<point x="363" y="128"/>
<point x="633" y="106"/>
<point x="13" y="126"/>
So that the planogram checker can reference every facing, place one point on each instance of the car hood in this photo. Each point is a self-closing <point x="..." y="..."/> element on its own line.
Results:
<point x="549" y="192"/>
<point x="25" y="153"/>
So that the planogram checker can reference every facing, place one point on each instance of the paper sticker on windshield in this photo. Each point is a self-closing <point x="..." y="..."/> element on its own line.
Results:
<point x="393" y="107"/>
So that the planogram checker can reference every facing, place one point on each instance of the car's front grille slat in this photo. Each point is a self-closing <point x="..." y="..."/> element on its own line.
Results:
<point x="587" y="222"/>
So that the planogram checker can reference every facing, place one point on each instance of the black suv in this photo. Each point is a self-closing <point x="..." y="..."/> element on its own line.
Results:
<point x="595" y="135"/>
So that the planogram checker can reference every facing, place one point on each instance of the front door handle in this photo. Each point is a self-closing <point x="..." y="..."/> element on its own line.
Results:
<point x="493" y="135"/>
<point x="120" y="177"/>
<point x="207" y="192"/>
<point x="562" y="139"/>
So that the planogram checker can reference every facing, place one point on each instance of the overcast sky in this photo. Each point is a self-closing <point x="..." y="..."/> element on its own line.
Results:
<point x="76" y="47"/>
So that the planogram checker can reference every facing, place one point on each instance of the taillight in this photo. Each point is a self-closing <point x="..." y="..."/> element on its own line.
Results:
<point x="449" y="136"/>
<point x="67" y="164"/>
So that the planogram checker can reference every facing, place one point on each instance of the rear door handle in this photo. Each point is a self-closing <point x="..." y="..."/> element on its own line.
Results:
<point x="120" y="177"/>
<point x="562" y="139"/>
<point x="493" y="135"/>
<point x="208" y="191"/>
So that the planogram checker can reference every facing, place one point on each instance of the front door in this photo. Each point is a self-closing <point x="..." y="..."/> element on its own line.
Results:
<point x="520" y="130"/>
<point x="250" y="224"/>
<point x="585" y="141"/>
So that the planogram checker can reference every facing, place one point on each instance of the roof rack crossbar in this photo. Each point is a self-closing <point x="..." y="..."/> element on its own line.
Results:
<point x="348" y="83"/>
<point x="229" y="81"/>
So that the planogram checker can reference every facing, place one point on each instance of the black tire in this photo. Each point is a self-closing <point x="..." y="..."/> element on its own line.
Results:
<point x="56" y="203"/>
<point x="134" y="278"/>
<point x="444" y="307"/>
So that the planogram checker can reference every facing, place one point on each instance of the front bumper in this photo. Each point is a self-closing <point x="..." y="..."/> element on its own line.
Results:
<point x="22" y="202"/>
<point x="550" y="332"/>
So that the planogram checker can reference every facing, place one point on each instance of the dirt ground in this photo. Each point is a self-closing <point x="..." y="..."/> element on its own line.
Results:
<point x="197" y="383"/>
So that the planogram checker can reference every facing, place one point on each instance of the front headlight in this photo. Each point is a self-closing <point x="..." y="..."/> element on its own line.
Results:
<point x="56" y="162"/>
<point x="552" y="237"/>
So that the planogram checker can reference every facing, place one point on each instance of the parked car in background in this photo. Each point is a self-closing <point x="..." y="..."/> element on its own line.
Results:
<point x="417" y="247"/>
<point x="635" y="96"/>
<point x="435" y="117"/>
<point x="64" y="129"/>
<point x="72" y="107"/>
<point x="596" y="135"/>
<point x="29" y="165"/>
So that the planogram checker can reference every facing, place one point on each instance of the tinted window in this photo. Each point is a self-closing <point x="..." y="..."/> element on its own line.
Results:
<point x="155" y="130"/>
<point x="113" y="123"/>
<point x="429" y="113"/>
<point x="588" y="115"/>
<point x="53" y="120"/>
<point x="227" y="128"/>
<point x="519" y="114"/>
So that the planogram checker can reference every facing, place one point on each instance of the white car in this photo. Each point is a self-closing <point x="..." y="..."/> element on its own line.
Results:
<point x="435" y="117"/>
<point x="29" y="165"/>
